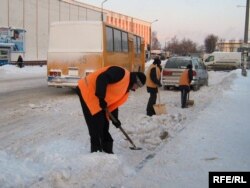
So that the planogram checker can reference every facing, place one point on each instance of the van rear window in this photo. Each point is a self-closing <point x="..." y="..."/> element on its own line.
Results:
<point x="177" y="63"/>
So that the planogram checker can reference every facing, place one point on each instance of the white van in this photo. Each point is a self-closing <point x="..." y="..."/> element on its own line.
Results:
<point x="223" y="60"/>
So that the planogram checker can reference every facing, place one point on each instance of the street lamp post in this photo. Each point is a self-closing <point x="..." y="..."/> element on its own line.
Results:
<point x="151" y="35"/>
<point x="245" y="47"/>
<point x="246" y="21"/>
<point x="102" y="8"/>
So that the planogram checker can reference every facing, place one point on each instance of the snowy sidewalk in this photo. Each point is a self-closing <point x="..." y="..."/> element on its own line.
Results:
<point x="218" y="140"/>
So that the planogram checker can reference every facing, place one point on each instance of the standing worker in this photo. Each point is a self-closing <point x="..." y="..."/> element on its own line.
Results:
<point x="184" y="84"/>
<point x="20" y="61"/>
<point x="153" y="82"/>
<point x="106" y="89"/>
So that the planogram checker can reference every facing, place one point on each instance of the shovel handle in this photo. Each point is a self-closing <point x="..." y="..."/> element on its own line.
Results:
<point x="122" y="130"/>
<point x="126" y="135"/>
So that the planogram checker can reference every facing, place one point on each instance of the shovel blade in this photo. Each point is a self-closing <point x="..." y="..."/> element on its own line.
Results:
<point x="135" y="148"/>
<point x="190" y="102"/>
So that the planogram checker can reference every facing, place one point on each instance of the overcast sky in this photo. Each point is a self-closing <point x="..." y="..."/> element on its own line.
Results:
<point x="190" y="19"/>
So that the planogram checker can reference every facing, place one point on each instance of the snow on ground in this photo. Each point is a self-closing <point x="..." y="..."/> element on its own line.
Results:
<point x="11" y="71"/>
<point x="52" y="149"/>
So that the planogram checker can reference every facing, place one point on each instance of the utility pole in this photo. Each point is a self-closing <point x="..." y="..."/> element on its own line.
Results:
<point x="102" y="9"/>
<point x="245" y="48"/>
<point x="246" y="23"/>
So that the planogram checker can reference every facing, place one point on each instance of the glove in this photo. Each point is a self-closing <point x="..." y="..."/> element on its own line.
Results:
<point x="117" y="123"/>
<point x="102" y="103"/>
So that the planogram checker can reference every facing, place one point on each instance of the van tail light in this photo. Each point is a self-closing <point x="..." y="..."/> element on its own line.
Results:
<point x="55" y="73"/>
<point x="194" y="73"/>
<point x="167" y="73"/>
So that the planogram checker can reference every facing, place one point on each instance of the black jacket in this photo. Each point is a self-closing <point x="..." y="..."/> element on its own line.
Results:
<point x="190" y="75"/>
<point x="111" y="75"/>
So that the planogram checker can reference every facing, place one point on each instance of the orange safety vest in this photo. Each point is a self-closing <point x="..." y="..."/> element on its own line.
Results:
<point x="184" y="79"/>
<point x="149" y="82"/>
<point x="116" y="94"/>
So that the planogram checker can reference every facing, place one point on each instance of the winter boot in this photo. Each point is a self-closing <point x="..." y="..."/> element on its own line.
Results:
<point x="108" y="147"/>
<point x="95" y="148"/>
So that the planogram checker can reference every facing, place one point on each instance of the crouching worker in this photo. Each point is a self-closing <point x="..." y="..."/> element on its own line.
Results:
<point x="107" y="88"/>
<point x="184" y="84"/>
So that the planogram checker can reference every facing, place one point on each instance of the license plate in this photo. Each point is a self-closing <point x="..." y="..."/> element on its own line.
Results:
<point x="73" y="72"/>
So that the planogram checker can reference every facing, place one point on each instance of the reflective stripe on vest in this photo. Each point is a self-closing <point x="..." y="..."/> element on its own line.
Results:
<point x="149" y="82"/>
<point x="116" y="94"/>
<point x="184" y="79"/>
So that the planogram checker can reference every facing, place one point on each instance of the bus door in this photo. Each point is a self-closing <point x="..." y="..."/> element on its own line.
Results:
<point x="138" y="52"/>
<point x="131" y="51"/>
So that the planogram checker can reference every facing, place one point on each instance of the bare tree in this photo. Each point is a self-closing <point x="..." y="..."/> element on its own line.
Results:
<point x="185" y="47"/>
<point x="155" y="42"/>
<point x="188" y="47"/>
<point x="172" y="46"/>
<point x="210" y="43"/>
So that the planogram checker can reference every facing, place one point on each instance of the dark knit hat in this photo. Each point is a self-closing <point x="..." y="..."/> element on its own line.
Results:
<point x="189" y="66"/>
<point x="157" y="61"/>
<point x="138" y="77"/>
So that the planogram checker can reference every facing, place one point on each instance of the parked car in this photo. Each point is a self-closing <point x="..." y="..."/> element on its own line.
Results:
<point x="176" y="65"/>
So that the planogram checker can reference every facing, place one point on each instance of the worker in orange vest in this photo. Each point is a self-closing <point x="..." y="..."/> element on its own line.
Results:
<point x="184" y="84"/>
<point x="105" y="89"/>
<point x="153" y="81"/>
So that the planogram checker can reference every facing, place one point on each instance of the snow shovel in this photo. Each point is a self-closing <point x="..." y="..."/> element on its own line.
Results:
<point x="159" y="108"/>
<point x="125" y="134"/>
<point x="189" y="102"/>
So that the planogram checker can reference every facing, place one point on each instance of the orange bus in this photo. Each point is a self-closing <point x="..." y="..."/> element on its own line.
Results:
<point x="79" y="48"/>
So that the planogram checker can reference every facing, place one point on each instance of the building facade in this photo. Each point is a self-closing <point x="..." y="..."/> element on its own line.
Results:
<point x="137" y="26"/>
<point x="229" y="46"/>
<point x="33" y="18"/>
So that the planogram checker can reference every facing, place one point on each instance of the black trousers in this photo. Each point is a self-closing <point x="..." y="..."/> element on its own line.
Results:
<point x="184" y="91"/>
<point x="98" y="126"/>
<point x="151" y="102"/>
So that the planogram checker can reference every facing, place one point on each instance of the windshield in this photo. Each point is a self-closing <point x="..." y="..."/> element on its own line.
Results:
<point x="177" y="63"/>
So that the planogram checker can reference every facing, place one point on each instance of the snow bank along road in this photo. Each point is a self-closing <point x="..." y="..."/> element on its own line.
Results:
<point x="44" y="140"/>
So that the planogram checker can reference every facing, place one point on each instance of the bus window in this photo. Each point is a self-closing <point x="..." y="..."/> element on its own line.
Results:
<point x="109" y="37"/>
<point x="137" y="43"/>
<point x="124" y="42"/>
<point x="117" y="41"/>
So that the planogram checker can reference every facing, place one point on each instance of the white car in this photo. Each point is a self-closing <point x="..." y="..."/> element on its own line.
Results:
<point x="176" y="65"/>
